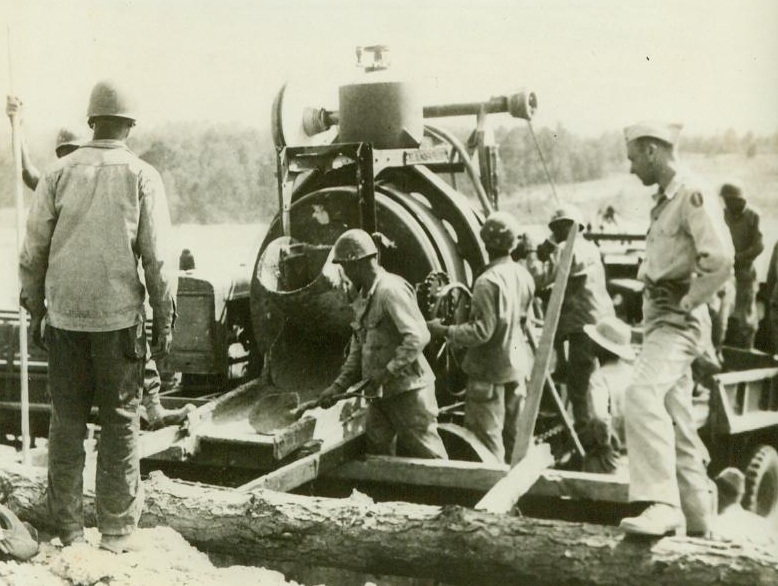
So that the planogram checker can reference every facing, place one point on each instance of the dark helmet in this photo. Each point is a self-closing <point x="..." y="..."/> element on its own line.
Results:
<point x="352" y="245"/>
<point x="500" y="231"/>
<point x="67" y="141"/>
<point x="109" y="99"/>
<point x="567" y="212"/>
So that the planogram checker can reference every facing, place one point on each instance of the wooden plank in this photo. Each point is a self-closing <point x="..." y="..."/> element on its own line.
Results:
<point x="613" y="488"/>
<point x="746" y="376"/>
<point x="307" y="468"/>
<point x="154" y="442"/>
<point x="422" y="472"/>
<point x="540" y="366"/>
<point x="504" y="495"/>
<point x="481" y="477"/>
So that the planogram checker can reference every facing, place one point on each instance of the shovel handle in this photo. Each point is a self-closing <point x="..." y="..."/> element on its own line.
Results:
<point x="353" y="391"/>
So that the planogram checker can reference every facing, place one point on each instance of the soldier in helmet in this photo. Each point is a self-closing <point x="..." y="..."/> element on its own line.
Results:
<point x="156" y="415"/>
<point x="586" y="302"/>
<point x="97" y="214"/>
<point x="743" y="222"/>
<point x="689" y="256"/>
<point x="386" y="348"/>
<point x="498" y="358"/>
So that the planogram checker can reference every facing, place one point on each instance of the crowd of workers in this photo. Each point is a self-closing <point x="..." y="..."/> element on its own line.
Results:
<point x="100" y="210"/>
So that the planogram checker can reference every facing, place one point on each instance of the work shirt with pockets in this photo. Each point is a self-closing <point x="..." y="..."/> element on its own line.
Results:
<point x="497" y="348"/>
<point x="94" y="215"/>
<point x="688" y="242"/>
<point x="586" y="296"/>
<point x="389" y="333"/>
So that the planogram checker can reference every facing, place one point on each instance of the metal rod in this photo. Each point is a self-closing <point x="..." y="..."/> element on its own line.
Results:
<point x="19" y="189"/>
<point x="493" y="106"/>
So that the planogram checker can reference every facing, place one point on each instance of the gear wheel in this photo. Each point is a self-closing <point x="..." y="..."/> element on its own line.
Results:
<point x="761" y="494"/>
<point x="427" y="291"/>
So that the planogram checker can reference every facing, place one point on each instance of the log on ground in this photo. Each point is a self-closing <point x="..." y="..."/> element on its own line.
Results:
<point x="451" y="544"/>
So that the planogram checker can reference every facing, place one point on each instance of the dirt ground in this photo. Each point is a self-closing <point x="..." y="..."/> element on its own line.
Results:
<point x="165" y="559"/>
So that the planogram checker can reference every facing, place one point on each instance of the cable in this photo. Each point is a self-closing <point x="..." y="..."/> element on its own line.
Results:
<point x="543" y="161"/>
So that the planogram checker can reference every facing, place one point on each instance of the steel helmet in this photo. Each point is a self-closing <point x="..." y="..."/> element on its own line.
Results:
<point x="109" y="99"/>
<point x="500" y="231"/>
<point x="67" y="138"/>
<point x="568" y="212"/>
<point x="353" y="245"/>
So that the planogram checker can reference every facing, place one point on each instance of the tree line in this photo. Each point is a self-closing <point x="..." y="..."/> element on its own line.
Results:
<point x="219" y="173"/>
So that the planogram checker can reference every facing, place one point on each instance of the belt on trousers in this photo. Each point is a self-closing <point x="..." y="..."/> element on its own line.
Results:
<point x="666" y="289"/>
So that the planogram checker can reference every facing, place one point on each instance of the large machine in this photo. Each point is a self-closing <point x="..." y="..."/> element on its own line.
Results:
<point x="375" y="163"/>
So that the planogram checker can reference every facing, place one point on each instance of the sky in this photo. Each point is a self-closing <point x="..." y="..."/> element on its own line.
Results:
<point x="595" y="65"/>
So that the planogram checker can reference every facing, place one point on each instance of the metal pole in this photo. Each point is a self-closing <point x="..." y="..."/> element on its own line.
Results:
<point x="19" y="189"/>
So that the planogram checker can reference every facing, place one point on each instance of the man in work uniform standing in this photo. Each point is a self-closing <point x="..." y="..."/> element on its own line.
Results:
<point x="586" y="302"/>
<point x="95" y="215"/>
<point x="743" y="223"/>
<point x="386" y="349"/>
<point x="498" y="358"/>
<point x="67" y="142"/>
<point x="689" y="256"/>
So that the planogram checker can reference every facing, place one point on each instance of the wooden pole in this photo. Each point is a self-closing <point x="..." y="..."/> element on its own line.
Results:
<point x="529" y="414"/>
<point x="19" y="190"/>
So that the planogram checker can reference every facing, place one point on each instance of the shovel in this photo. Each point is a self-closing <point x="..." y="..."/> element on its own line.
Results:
<point x="353" y="391"/>
<point x="273" y="412"/>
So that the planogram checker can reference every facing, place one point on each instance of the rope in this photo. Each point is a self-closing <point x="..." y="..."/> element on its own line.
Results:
<point x="543" y="161"/>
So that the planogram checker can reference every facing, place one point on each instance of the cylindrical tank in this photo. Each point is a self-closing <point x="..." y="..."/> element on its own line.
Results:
<point x="381" y="111"/>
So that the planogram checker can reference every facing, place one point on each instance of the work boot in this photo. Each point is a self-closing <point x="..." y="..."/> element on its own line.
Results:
<point x="120" y="543"/>
<point x="657" y="520"/>
<point x="159" y="417"/>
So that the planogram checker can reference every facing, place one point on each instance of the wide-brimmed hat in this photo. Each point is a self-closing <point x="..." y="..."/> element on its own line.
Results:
<point x="612" y="334"/>
<point x="731" y="482"/>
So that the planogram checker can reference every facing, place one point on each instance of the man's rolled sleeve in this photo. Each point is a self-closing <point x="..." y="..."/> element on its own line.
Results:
<point x="401" y="306"/>
<point x="154" y="245"/>
<point x="483" y="318"/>
<point x="34" y="257"/>
<point x="715" y="252"/>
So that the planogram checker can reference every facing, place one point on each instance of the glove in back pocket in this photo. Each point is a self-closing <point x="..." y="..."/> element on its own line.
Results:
<point x="479" y="391"/>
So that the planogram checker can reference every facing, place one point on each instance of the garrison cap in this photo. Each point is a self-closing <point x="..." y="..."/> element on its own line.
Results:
<point x="664" y="131"/>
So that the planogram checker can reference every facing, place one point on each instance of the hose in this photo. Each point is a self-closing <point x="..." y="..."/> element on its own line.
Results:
<point x="446" y="136"/>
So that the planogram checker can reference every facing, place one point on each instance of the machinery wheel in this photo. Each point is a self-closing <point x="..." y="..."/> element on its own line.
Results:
<point x="761" y="495"/>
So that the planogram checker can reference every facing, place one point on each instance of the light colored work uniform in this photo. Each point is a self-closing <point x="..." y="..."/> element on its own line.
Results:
<point x="586" y="302"/>
<point x="94" y="216"/>
<point x="390" y="333"/>
<point x="747" y="239"/>
<point x="498" y="358"/>
<point x="688" y="252"/>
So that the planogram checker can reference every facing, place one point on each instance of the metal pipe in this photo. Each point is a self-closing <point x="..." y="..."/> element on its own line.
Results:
<point x="441" y="134"/>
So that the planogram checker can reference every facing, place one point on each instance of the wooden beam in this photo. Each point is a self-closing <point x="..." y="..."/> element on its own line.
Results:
<point x="540" y="366"/>
<point x="477" y="476"/>
<point x="307" y="468"/>
<point x="504" y="495"/>
<point x="422" y="472"/>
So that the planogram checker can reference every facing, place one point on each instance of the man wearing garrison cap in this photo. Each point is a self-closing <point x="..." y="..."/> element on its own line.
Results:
<point x="689" y="256"/>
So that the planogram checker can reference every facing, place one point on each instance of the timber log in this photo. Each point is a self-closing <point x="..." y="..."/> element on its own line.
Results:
<point x="452" y="544"/>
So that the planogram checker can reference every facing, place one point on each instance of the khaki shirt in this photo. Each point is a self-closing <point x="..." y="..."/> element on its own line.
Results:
<point x="688" y="244"/>
<point x="586" y="296"/>
<point x="389" y="333"/>
<point x="94" y="216"/>
<point x="497" y="348"/>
